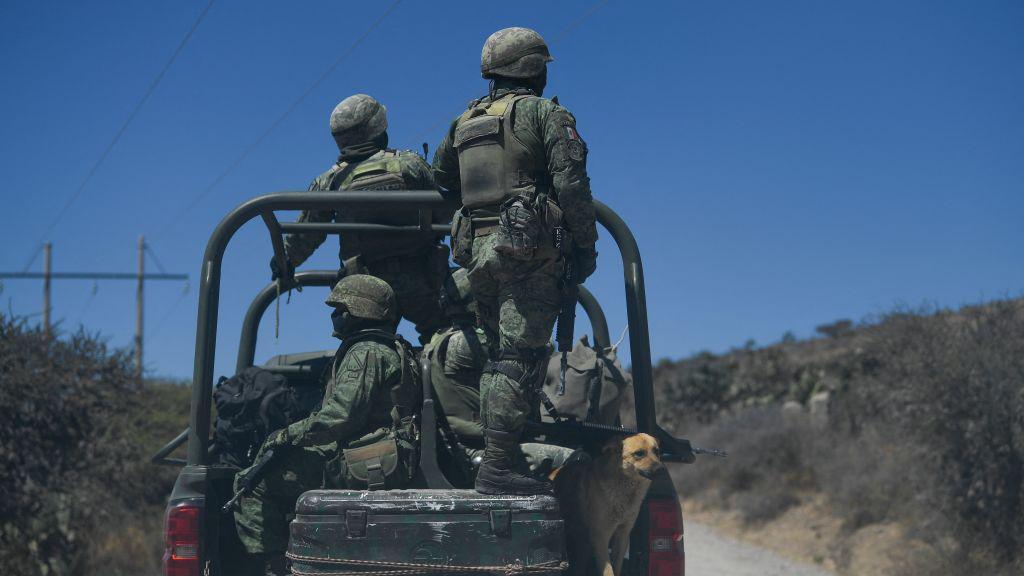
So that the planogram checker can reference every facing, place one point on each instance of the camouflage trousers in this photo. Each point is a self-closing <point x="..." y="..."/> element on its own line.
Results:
<point x="519" y="300"/>
<point x="263" y="515"/>
<point x="416" y="281"/>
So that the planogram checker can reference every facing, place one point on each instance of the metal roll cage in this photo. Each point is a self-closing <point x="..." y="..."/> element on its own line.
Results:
<point x="425" y="202"/>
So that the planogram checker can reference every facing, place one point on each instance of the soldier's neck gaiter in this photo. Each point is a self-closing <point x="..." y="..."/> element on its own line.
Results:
<point x="360" y="152"/>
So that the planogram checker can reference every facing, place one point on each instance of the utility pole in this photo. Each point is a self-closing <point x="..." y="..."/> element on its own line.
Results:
<point x="140" y="277"/>
<point x="140" y="283"/>
<point x="47" y="249"/>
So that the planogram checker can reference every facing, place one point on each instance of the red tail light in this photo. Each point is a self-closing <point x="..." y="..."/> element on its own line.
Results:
<point x="181" y="541"/>
<point x="665" y="535"/>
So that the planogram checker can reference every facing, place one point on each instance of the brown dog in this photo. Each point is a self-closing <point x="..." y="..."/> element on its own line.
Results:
<point x="600" y="500"/>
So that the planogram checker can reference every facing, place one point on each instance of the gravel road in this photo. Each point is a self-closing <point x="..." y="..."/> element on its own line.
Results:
<point x="709" y="553"/>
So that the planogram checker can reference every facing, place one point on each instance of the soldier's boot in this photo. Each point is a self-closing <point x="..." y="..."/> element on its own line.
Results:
<point x="497" y="474"/>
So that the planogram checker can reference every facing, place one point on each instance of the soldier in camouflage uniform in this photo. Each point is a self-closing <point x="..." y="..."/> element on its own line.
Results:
<point x="413" y="265"/>
<point x="520" y="166"/>
<point x="370" y="389"/>
<point x="457" y="358"/>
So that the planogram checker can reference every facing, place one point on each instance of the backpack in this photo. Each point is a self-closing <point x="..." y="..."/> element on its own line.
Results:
<point x="250" y="406"/>
<point x="597" y="388"/>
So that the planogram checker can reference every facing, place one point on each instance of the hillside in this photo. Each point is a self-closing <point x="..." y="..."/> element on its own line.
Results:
<point x="911" y="424"/>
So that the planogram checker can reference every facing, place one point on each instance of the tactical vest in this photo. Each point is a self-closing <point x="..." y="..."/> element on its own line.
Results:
<point x="494" y="165"/>
<point x="385" y="456"/>
<point x="383" y="172"/>
<point x="405" y="395"/>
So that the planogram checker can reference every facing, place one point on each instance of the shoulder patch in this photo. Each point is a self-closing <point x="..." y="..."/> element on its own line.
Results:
<point x="575" y="147"/>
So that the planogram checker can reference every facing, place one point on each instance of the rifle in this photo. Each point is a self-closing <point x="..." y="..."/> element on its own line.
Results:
<point x="572" y="431"/>
<point x="252" y="477"/>
<point x="570" y="293"/>
<point x="450" y="439"/>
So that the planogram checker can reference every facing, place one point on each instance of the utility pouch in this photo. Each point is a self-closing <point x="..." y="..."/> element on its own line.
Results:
<point x="462" y="239"/>
<point x="378" y="461"/>
<point x="520" y="230"/>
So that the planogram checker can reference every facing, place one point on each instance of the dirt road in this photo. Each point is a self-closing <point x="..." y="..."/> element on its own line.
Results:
<point x="709" y="553"/>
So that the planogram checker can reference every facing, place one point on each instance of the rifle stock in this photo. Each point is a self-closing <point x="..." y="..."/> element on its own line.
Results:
<point x="253" y="476"/>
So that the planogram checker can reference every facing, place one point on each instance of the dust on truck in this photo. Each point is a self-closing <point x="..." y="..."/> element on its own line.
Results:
<point x="437" y="529"/>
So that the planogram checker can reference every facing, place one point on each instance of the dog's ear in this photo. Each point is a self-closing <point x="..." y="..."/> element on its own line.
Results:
<point x="613" y="446"/>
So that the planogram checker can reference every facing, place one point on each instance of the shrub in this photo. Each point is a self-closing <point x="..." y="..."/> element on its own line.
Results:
<point x="75" y="436"/>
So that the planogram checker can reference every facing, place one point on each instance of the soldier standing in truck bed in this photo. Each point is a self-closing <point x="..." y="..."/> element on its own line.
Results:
<point x="520" y="166"/>
<point x="414" y="265"/>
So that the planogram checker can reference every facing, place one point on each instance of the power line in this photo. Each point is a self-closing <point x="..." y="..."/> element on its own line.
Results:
<point x="156" y="260"/>
<point x="569" y="28"/>
<point x="32" y="260"/>
<point x="158" y="329"/>
<point x="135" y="111"/>
<point x="277" y="122"/>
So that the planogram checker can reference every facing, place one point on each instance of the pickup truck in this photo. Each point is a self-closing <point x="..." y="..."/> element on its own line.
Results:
<point x="200" y="540"/>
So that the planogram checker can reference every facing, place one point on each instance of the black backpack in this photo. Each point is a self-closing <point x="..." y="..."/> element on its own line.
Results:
<point x="250" y="406"/>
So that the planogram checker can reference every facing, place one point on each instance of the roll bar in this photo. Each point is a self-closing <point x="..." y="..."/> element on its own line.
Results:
<point x="425" y="201"/>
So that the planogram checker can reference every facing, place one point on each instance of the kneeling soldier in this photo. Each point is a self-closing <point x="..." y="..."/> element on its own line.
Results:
<point x="361" y="438"/>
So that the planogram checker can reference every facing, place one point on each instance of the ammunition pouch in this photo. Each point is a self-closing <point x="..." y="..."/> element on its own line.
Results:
<point x="381" y="460"/>
<point x="526" y="228"/>
<point x="462" y="238"/>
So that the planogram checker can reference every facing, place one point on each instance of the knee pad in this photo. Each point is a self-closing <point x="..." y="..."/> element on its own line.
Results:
<point x="526" y="366"/>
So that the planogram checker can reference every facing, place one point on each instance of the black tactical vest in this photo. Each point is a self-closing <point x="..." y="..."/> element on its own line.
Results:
<point x="382" y="171"/>
<point x="494" y="165"/>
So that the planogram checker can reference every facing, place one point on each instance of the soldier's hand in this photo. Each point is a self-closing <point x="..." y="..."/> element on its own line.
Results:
<point x="586" y="262"/>
<point x="279" y="438"/>
<point x="275" y="271"/>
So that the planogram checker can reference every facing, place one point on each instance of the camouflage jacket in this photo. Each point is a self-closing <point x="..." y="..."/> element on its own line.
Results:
<point x="550" y="131"/>
<point x="416" y="174"/>
<point x="357" y="400"/>
<point x="457" y="357"/>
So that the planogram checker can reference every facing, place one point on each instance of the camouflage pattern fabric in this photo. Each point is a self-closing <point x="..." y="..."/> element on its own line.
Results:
<point x="514" y="53"/>
<point x="415" y="276"/>
<point x="549" y="130"/>
<point x="519" y="299"/>
<point x="455" y="370"/>
<point x="356" y="402"/>
<point x="456" y="377"/>
<point x="364" y="296"/>
<point x="358" y="119"/>
<point x="537" y="460"/>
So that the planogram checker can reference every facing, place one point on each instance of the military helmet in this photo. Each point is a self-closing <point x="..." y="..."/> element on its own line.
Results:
<point x="514" y="53"/>
<point x="455" y="295"/>
<point x="358" y="119"/>
<point x="366" y="297"/>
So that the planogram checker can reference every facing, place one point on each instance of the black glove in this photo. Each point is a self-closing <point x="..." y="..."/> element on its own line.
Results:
<point x="275" y="273"/>
<point x="586" y="263"/>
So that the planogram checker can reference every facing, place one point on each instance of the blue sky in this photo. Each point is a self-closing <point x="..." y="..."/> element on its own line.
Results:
<point x="782" y="164"/>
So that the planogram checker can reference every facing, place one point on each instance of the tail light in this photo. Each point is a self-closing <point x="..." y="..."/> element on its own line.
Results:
<point x="665" y="535"/>
<point x="181" y="540"/>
